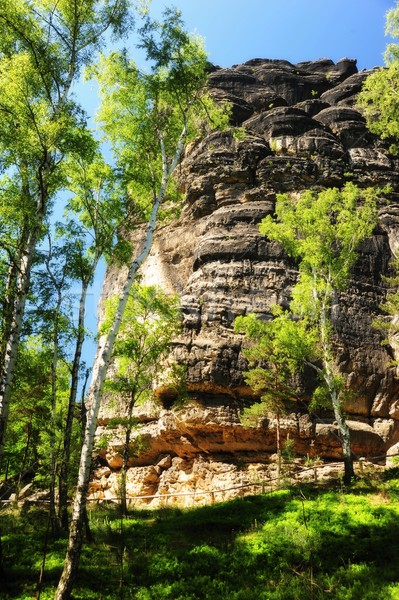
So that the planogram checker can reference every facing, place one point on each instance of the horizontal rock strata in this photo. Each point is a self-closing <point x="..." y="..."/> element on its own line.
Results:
<point x="298" y="128"/>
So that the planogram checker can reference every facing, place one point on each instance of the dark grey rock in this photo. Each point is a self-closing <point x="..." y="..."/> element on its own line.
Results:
<point x="303" y="132"/>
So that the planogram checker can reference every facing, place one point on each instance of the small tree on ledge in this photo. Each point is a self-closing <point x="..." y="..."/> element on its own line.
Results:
<point x="276" y="351"/>
<point x="150" y="322"/>
<point x="323" y="232"/>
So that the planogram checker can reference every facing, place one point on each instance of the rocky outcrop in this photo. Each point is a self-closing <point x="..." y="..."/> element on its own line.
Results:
<point x="301" y="130"/>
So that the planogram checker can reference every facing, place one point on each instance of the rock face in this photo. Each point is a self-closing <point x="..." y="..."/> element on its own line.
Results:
<point x="302" y="130"/>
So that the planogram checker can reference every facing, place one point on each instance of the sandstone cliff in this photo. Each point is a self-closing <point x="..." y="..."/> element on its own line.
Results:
<point x="303" y="130"/>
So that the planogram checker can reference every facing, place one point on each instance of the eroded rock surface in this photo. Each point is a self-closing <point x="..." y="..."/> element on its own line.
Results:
<point x="303" y="130"/>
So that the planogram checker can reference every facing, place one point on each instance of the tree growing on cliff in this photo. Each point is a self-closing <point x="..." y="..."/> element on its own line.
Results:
<point x="388" y="323"/>
<point x="151" y="320"/>
<point x="276" y="351"/>
<point x="379" y="98"/>
<point x="379" y="101"/>
<point x="147" y="118"/>
<point x="323" y="232"/>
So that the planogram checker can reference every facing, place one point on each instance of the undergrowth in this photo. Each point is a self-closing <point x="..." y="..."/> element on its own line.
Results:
<point x="299" y="543"/>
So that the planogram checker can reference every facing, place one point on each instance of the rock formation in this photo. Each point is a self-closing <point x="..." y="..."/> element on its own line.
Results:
<point x="296" y="127"/>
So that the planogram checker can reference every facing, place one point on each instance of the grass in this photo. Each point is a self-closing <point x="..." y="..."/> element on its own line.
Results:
<point x="298" y="543"/>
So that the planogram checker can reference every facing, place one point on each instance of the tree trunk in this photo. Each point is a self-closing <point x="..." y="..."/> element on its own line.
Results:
<point x="125" y="464"/>
<point x="83" y="409"/>
<point x="66" y="452"/>
<point x="124" y="471"/>
<point x="30" y="234"/>
<point x="100" y="367"/>
<point x="1" y="557"/>
<point x="25" y="455"/>
<point x="278" y="446"/>
<point x="331" y="383"/>
<point x="8" y="302"/>
<point x="54" y="388"/>
<point x="345" y="439"/>
<point x="339" y="417"/>
<point x="14" y="332"/>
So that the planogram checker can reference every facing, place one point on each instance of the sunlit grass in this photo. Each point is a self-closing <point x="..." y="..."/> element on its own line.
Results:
<point x="303" y="542"/>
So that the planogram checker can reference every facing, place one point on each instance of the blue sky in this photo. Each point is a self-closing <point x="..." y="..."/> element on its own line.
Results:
<point x="294" y="30"/>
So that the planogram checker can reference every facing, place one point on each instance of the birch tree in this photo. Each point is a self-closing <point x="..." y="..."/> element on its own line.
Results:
<point x="147" y="118"/>
<point x="379" y="101"/>
<point x="151" y="320"/>
<point x="36" y="421"/>
<point x="323" y="233"/>
<point x="94" y="215"/>
<point x="43" y="46"/>
<point x="379" y="98"/>
<point x="52" y="283"/>
<point x="276" y="351"/>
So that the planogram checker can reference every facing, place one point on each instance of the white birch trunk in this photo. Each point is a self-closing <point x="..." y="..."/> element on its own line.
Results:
<point x="95" y="392"/>
<point x="321" y="306"/>
<point x="328" y="375"/>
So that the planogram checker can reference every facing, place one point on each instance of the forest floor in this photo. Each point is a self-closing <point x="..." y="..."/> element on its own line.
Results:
<point x="308" y="541"/>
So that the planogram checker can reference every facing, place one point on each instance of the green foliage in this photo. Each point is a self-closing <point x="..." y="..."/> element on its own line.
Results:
<point x="239" y="133"/>
<point x="378" y="98"/>
<point x="276" y="351"/>
<point x="96" y="214"/>
<point x="145" y="113"/>
<point x="321" y="397"/>
<point x="288" y="450"/>
<point x="323" y="232"/>
<point x="379" y="103"/>
<point x="102" y="442"/>
<point x="298" y="543"/>
<point x="30" y="433"/>
<point x="174" y="384"/>
<point x="151" y="320"/>
<point x="387" y="323"/>
<point x="392" y="29"/>
<point x="44" y="45"/>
